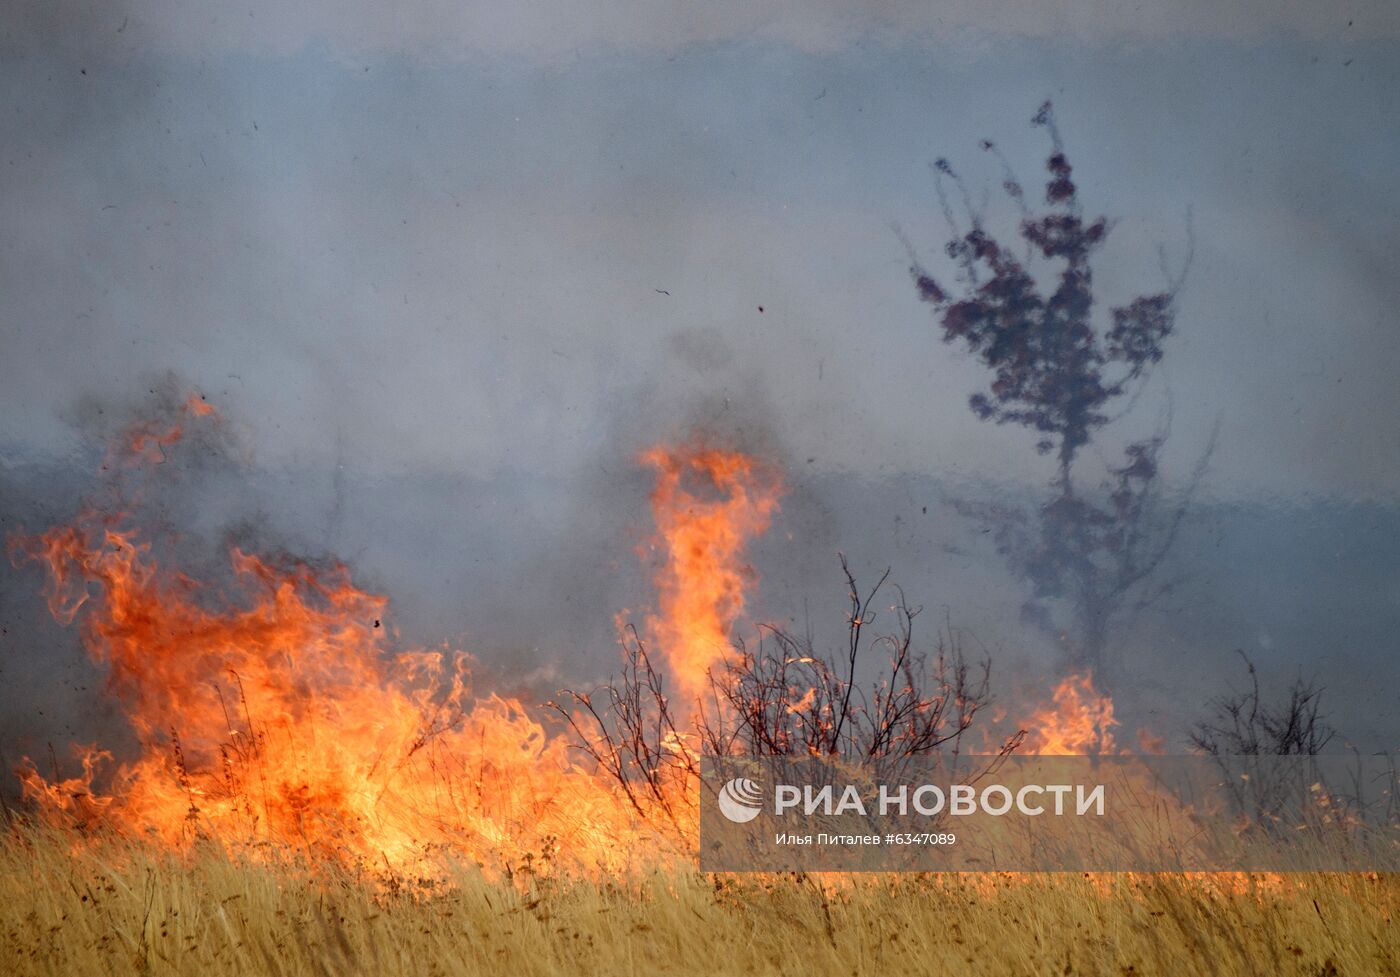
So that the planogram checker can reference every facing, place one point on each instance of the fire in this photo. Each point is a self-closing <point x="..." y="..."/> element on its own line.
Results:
<point x="708" y="504"/>
<point x="199" y="407"/>
<point x="146" y="442"/>
<point x="1078" y="720"/>
<point x="272" y="709"/>
<point x="275" y="712"/>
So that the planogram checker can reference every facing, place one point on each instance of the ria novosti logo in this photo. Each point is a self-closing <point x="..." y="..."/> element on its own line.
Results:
<point x="741" y="800"/>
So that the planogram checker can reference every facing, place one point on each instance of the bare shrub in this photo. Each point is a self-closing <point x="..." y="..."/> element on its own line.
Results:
<point x="785" y="699"/>
<point x="1244" y="725"/>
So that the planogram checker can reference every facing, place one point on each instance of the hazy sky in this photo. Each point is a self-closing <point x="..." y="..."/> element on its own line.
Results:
<point x="436" y="236"/>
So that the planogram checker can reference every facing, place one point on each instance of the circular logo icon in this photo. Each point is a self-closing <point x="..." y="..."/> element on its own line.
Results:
<point x="740" y="800"/>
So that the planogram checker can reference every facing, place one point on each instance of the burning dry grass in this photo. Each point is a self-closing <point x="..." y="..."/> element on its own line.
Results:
<point x="117" y="908"/>
<point x="374" y="814"/>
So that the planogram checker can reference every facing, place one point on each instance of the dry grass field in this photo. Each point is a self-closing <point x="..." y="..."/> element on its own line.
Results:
<point x="114" y="908"/>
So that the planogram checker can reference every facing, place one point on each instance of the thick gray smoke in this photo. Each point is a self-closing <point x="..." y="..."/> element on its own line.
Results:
<point x="445" y="277"/>
<point x="528" y="573"/>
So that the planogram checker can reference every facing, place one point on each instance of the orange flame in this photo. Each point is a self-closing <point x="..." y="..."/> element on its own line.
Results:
<point x="145" y="442"/>
<point x="199" y="407"/>
<point x="1078" y="720"/>
<point x="283" y="718"/>
<point x="272" y="709"/>
<point x="708" y="504"/>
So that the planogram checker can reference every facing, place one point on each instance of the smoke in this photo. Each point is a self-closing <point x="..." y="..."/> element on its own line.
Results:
<point x="443" y="306"/>
<point x="528" y="573"/>
<point x="544" y="30"/>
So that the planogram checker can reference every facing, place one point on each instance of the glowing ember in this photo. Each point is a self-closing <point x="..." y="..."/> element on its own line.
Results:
<point x="200" y="407"/>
